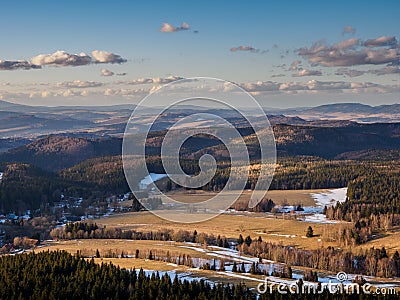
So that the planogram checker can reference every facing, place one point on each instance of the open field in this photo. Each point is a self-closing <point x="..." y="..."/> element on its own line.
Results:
<point x="290" y="197"/>
<point x="88" y="248"/>
<point x="390" y="240"/>
<point x="183" y="272"/>
<point x="231" y="225"/>
<point x="289" y="232"/>
<point x="279" y="228"/>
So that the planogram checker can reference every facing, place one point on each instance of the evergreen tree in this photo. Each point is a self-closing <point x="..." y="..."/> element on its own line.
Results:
<point x="234" y="267"/>
<point x="240" y="240"/>
<point x="248" y="240"/>
<point x="310" y="232"/>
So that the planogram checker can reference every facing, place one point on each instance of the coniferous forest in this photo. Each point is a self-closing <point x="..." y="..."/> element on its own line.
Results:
<point x="59" y="275"/>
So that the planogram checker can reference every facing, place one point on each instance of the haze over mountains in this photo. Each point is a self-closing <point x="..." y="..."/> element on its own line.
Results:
<point x="351" y="111"/>
<point x="22" y="121"/>
<point x="355" y="141"/>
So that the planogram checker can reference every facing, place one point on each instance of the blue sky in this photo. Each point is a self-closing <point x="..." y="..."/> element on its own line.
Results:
<point x="267" y="35"/>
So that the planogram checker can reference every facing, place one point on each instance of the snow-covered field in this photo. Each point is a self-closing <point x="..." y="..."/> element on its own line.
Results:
<point x="329" y="198"/>
<point x="229" y="256"/>
<point x="318" y="218"/>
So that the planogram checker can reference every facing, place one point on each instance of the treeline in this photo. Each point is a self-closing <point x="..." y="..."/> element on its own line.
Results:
<point x="292" y="173"/>
<point x="371" y="262"/>
<point x="311" y="173"/>
<point x="265" y="205"/>
<point x="299" y="173"/>
<point x="83" y="230"/>
<point x="373" y="198"/>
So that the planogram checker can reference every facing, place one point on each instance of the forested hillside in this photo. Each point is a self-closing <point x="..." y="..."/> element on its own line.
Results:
<point x="24" y="187"/>
<point x="59" y="275"/>
<point x="373" y="197"/>
<point x="54" y="153"/>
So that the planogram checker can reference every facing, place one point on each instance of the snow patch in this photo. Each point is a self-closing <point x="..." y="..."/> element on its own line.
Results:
<point x="149" y="179"/>
<point x="330" y="197"/>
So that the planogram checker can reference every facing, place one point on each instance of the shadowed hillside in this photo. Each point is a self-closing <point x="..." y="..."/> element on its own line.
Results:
<point x="54" y="153"/>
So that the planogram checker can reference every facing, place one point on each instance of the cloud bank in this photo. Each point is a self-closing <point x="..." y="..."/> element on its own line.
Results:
<point x="380" y="71"/>
<point x="156" y="80"/>
<point x="313" y="86"/>
<point x="352" y="52"/>
<point x="10" y="65"/>
<point x="381" y="41"/>
<point x="79" y="84"/>
<point x="62" y="58"/>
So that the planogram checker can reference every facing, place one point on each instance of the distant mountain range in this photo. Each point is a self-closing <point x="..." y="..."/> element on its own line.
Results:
<point x="349" y="111"/>
<point x="352" y="141"/>
<point x="355" y="108"/>
<point x="30" y="122"/>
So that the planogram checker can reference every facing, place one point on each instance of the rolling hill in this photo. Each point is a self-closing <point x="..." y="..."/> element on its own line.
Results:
<point x="54" y="153"/>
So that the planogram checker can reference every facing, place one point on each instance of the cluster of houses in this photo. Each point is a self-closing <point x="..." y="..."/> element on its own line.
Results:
<point x="12" y="217"/>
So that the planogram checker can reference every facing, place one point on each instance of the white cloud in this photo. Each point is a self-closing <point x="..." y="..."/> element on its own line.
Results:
<point x="348" y="29"/>
<point x="350" y="43"/>
<point x="79" y="84"/>
<point x="295" y="66"/>
<point x="156" y="80"/>
<point x="344" y="54"/>
<point x="92" y="90"/>
<point x="167" y="27"/>
<point x="61" y="58"/>
<point x="105" y="72"/>
<point x="305" y="72"/>
<point x="261" y="86"/>
<point x="245" y="48"/>
<point x="107" y="57"/>
<point x="314" y="86"/>
<point x="381" y="41"/>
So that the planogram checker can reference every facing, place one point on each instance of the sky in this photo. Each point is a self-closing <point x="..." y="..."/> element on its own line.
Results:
<point x="286" y="53"/>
